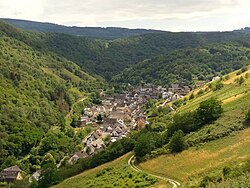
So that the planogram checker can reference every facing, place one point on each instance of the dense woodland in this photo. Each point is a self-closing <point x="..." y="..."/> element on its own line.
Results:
<point x="187" y="65"/>
<point x="37" y="91"/>
<point x="108" y="58"/>
<point x="91" y="32"/>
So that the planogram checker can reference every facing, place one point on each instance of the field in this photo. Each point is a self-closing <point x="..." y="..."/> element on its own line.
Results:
<point x="216" y="145"/>
<point x="229" y="93"/>
<point x="197" y="162"/>
<point x="113" y="174"/>
<point x="235" y="101"/>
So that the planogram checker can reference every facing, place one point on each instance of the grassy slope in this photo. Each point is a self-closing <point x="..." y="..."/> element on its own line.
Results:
<point x="113" y="174"/>
<point x="199" y="160"/>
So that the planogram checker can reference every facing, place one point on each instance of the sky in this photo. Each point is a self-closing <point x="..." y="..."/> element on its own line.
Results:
<point x="169" y="15"/>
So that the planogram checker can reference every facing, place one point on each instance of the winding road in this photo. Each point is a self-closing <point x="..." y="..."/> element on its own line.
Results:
<point x="131" y="161"/>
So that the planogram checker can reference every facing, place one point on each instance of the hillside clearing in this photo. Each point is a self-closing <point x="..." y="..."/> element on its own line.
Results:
<point x="197" y="161"/>
<point x="113" y="174"/>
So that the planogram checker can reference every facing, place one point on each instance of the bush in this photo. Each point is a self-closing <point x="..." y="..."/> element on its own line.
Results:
<point x="241" y="80"/>
<point x="200" y="92"/>
<point x="218" y="86"/>
<point x="244" y="69"/>
<point x="247" y="118"/>
<point x="248" y="115"/>
<point x="177" y="142"/>
<point x="209" y="110"/>
<point x="191" y="96"/>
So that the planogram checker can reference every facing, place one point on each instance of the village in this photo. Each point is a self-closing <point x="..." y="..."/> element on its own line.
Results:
<point x="112" y="120"/>
<point x="121" y="113"/>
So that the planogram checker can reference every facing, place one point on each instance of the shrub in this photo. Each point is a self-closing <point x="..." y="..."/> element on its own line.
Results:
<point x="218" y="86"/>
<point x="244" y="69"/>
<point x="200" y="92"/>
<point x="247" y="118"/>
<point x="226" y="171"/>
<point x="248" y="115"/>
<point x="241" y="80"/>
<point x="191" y="96"/>
<point x="177" y="142"/>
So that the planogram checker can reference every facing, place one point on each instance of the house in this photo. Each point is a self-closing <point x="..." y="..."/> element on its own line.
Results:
<point x="140" y="121"/>
<point x="106" y="102"/>
<point x="166" y="95"/>
<point x="89" y="149"/>
<point x="108" y="129"/>
<point x="35" y="176"/>
<point x="176" y="96"/>
<point x="11" y="174"/>
<point x="114" y="133"/>
<point x="95" y="135"/>
<point x="199" y="83"/>
<point x="215" y="78"/>
<point x="109" y="121"/>
<point x="186" y="89"/>
<point x="117" y="115"/>
<point x="174" y="88"/>
<point x="78" y="155"/>
<point x="85" y="120"/>
<point x="98" y="144"/>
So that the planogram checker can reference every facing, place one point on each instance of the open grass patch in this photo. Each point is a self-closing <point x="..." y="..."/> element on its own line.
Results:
<point x="194" y="163"/>
<point x="113" y="174"/>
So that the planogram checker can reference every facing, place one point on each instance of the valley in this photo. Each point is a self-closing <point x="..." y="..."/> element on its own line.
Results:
<point x="152" y="109"/>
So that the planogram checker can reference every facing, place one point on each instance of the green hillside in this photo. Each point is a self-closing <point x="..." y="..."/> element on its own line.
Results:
<point x="215" y="147"/>
<point x="113" y="174"/>
<point x="218" y="153"/>
<point x="37" y="90"/>
<point x="46" y="81"/>
<point x="109" y="58"/>
<point x="187" y="65"/>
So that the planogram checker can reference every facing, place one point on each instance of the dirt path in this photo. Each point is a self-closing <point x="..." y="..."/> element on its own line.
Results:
<point x="135" y="168"/>
<point x="72" y="108"/>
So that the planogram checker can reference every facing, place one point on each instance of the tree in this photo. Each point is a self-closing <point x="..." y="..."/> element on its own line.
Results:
<point x="99" y="118"/>
<point x="49" y="177"/>
<point x="144" y="145"/>
<point x="187" y="122"/>
<point x="209" y="110"/>
<point x="48" y="161"/>
<point x="177" y="142"/>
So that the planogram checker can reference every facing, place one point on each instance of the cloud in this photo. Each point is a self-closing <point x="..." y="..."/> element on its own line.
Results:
<point x="161" y="14"/>
<point x="25" y="9"/>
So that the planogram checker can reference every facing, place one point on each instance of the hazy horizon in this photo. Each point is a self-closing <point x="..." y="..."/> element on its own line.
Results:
<point x="166" y="15"/>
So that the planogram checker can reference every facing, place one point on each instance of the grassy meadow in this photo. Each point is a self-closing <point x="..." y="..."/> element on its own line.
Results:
<point x="113" y="174"/>
<point x="196" y="162"/>
<point x="221" y="143"/>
